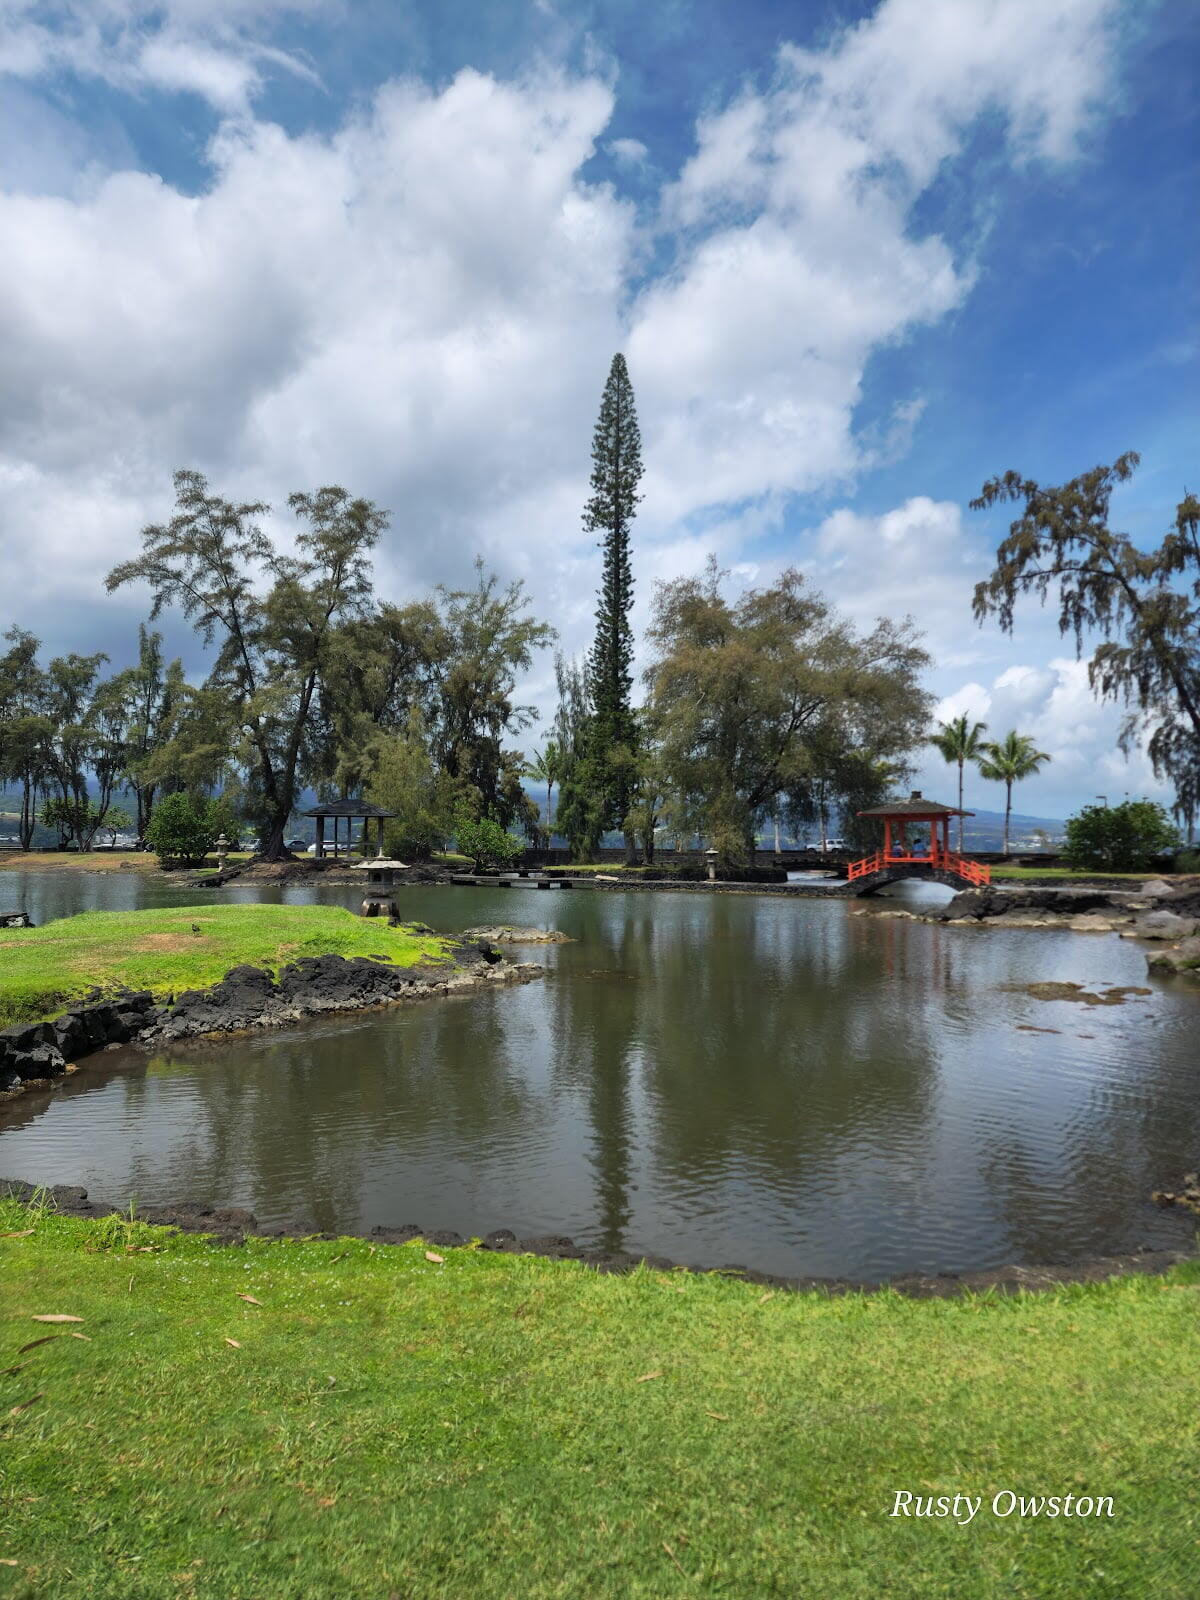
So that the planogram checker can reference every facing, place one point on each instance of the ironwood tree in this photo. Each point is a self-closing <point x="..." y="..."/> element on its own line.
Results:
<point x="274" y="618"/>
<point x="758" y="700"/>
<point x="154" y="693"/>
<point x="24" y="729"/>
<point x="1146" y="603"/>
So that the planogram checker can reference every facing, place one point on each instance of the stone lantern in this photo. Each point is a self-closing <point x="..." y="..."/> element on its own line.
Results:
<point x="710" y="856"/>
<point x="222" y="846"/>
<point x="377" y="897"/>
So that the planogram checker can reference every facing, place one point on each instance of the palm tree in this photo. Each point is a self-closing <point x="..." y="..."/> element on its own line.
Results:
<point x="959" y="742"/>
<point x="1008" y="762"/>
<point x="546" y="767"/>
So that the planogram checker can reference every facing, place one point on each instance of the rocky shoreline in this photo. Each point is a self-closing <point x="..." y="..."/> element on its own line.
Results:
<point x="39" y="1055"/>
<point x="231" y="1226"/>
<point x="1166" y="914"/>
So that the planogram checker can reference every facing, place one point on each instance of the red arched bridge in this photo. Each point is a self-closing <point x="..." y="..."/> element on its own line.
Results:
<point x="908" y="852"/>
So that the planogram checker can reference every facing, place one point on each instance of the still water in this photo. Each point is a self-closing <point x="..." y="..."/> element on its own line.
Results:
<point x="776" y="1082"/>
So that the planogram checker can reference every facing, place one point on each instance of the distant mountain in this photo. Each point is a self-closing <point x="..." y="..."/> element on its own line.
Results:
<point x="985" y="831"/>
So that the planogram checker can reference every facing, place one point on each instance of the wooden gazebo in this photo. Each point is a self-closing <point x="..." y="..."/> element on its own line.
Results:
<point x="899" y="859"/>
<point x="352" y="811"/>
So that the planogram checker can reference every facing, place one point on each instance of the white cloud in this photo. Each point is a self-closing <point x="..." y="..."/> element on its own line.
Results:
<point x="423" y="303"/>
<point x="212" y="48"/>
<point x="972" y="700"/>
<point x="629" y="152"/>
<point x="1055" y="707"/>
<point x="911" y="561"/>
<point x="797" y="252"/>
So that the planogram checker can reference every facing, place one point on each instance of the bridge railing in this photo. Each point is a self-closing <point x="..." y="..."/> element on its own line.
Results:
<point x="975" y="872"/>
<point x="860" y="869"/>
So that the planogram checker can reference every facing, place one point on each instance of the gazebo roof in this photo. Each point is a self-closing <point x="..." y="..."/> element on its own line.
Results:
<point x="349" y="808"/>
<point x="915" y="806"/>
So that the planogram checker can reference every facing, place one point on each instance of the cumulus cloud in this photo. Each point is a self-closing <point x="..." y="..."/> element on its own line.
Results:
<point x="913" y="560"/>
<point x="797" y="251"/>
<point x="1055" y="706"/>
<point x="423" y="302"/>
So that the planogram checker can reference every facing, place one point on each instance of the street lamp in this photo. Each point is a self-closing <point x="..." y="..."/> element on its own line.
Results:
<point x="1103" y="799"/>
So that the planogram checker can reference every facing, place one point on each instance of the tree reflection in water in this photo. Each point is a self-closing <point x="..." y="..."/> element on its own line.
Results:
<point x="710" y="1077"/>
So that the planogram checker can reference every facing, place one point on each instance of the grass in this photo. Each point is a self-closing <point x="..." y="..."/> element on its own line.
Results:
<point x="92" y="860"/>
<point x="79" y="860"/>
<point x="43" y="969"/>
<point x="580" y="869"/>
<point x="1071" y="875"/>
<point x="374" y="1423"/>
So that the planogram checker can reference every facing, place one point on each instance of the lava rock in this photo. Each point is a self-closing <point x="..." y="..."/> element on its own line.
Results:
<point x="501" y="1239"/>
<point x="1183" y="957"/>
<point x="41" y="1061"/>
<point x="1163" y="924"/>
<point x="393" y="1235"/>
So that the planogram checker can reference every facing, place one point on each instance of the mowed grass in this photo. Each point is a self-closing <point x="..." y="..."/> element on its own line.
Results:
<point x="43" y="969"/>
<point x="1073" y="875"/>
<point x="79" y="860"/>
<point x="373" y="1422"/>
<point x="92" y="860"/>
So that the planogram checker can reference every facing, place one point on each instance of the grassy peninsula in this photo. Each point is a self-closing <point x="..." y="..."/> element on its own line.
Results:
<point x="43" y="969"/>
<point x="325" y="1417"/>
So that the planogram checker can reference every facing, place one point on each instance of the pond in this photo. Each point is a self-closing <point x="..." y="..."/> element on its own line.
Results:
<point x="776" y="1082"/>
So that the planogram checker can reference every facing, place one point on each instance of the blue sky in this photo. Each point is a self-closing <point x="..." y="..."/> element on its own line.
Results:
<point x="859" y="258"/>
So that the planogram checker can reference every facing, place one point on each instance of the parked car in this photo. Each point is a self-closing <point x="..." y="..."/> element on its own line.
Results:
<point x="296" y="844"/>
<point x="343" y="849"/>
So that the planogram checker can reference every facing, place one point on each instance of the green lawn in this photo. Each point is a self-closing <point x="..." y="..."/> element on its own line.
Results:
<point x="374" y="1423"/>
<point x="94" y="860"/>
<point x="43" y="969"/>
<point x="1070" y="875"/>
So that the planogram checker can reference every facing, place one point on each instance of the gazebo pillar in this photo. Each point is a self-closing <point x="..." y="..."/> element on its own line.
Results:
<point x="320" y="838"/>
<point x="887" y="838"/>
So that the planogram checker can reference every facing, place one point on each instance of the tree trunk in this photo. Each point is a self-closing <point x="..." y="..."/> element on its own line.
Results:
<point x="960" y="815"/>
<point x="28" y="815"/>
<point x="273" y="847"/>
<point x="1007" y="811"/>
<point x="630" y="848"/>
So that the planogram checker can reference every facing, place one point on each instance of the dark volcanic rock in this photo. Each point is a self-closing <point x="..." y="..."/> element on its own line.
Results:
<point x="247" y="997"/>
<point x="995" y="901"/>
<point x="39" y="1061"/>
<point x="30" y="1052"/>
<point x="400" y="1235"/>
<point x="236" y="1002"/>
<point x="230" y="1226"/>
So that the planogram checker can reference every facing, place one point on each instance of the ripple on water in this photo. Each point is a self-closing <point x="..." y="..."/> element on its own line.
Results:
<point x="716" y="1079"/>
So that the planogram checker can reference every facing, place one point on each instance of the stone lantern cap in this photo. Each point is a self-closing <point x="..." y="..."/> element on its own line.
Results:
<point x="381" y="864"/>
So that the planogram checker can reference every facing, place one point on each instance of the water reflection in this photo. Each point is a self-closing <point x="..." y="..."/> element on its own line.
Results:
<point x="783" y="1083"/>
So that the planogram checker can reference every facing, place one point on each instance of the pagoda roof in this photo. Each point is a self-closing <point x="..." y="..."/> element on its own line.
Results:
<point x="915" y="806"/>
<point x="349" y="808"/>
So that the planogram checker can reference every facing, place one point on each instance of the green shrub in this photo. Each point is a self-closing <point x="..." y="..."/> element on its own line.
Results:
<point x="1187" y="860"/>
<point x="1122" y="838"/>
<point x="487" y="843"/>
<point x="181" y="829"/>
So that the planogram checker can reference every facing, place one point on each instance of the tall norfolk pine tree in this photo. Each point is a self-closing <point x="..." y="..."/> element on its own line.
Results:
<point x="616" y="472"/>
